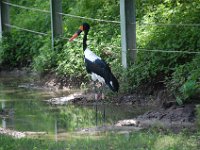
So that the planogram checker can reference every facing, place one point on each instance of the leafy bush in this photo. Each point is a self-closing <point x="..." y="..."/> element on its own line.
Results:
<point x="18" y="49"/>
<point x="184" y="83"/>
<point x="181" y="70"/>
<point x="45" y="58"/>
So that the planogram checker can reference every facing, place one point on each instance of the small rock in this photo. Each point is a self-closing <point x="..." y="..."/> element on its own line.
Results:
<point x="67" y="99"/>
<point x="130" y="122"/>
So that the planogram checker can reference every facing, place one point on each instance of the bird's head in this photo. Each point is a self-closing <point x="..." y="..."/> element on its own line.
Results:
<point x="84" y="27"/>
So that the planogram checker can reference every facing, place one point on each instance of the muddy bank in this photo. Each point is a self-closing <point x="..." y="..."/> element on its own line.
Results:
<point x="175" y="118"/>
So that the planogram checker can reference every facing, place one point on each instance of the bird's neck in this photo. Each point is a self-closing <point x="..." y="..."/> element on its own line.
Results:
<point x="85" y="40"/>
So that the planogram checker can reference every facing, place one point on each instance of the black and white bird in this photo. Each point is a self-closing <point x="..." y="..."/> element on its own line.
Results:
<point x="98" y="68"/>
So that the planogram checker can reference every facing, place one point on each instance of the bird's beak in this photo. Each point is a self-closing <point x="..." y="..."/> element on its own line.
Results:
<point x="76" y="34"/>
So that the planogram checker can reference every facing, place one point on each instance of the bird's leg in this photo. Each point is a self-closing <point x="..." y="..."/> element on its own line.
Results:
<point x="98" y="93"/>
<point x="95" y="91"/>
<point x="102" y="92"/>
<point x="103" y="99"/>
<point x="96" y="98"/>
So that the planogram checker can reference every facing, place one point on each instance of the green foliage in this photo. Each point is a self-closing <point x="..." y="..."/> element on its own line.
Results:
<point x="18" y="49"/>
<point x="185" y="80"/>
<point x="180" y="69"/>
<point x="33" y="20"/>
<point x="70" y="60"/>
<point x="45" y="60"/>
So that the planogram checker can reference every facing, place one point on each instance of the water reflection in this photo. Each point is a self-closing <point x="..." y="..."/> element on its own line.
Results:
<point x="23" y="109"/>
<point x="3" y="123"/>
<point x="56" y="130"/>
<point x="3" y="119"/>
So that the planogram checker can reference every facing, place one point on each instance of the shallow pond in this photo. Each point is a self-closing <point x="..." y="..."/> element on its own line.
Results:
<point x="24" y="109"/>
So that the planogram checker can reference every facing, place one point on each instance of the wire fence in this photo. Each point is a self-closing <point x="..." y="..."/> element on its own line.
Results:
<point x="87" y="18"/>
<point x="105" y="21"/>
<point x="27" y="8"/>
<point x="170" y="24"/>
<point x="165" y="51"/>
<point x="24" y="29"/>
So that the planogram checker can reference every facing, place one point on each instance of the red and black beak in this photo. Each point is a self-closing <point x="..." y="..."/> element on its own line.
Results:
<point x="76" y="34"/>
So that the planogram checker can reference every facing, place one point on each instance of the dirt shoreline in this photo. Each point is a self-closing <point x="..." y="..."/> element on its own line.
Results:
<point x="19" y="134"/>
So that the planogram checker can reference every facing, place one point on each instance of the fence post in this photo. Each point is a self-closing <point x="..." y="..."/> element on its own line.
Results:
<point x="128" y="31"/>
<point x="4" y="17"/>
<point x="56" y="19"/>
<point x="123" y="33"/>
<point x="0" y="21"/>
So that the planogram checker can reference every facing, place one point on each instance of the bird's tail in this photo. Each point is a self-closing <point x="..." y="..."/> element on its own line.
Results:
<point x="113" y="83"/>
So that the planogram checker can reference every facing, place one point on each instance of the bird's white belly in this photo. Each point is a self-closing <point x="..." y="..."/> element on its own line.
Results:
<point x="97" y="77"/>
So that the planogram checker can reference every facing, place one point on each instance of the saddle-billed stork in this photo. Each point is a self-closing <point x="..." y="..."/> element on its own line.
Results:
<point x="98" y="68"/>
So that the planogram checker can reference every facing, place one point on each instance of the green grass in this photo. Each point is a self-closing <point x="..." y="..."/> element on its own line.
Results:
<point x="145" y="140"/>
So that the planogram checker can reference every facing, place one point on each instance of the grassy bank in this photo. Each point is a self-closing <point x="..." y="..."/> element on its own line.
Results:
<point x="138" y="140"/>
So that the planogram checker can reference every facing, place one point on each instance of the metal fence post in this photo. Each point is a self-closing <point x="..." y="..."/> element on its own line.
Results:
<point x="0" y="20"/>
<point x="4" y="17"/>
<point x="128" y="31"/>
<point x="123" y="33"/>
<point x="56" y="19"/>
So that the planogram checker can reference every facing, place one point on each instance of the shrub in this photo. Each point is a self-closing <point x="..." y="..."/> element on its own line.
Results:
<point x="19" y="49"/>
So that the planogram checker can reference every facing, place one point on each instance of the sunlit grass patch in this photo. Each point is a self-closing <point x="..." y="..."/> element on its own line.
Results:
<point x="176" y="142"/>
<point x="166" y="142"/>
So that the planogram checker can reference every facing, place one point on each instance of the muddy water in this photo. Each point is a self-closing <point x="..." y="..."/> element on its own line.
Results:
<point x="22" y="108"/>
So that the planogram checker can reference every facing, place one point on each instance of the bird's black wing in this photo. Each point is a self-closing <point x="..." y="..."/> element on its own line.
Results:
<point x="102" y="69"/>
<point x="98" y="67"/>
